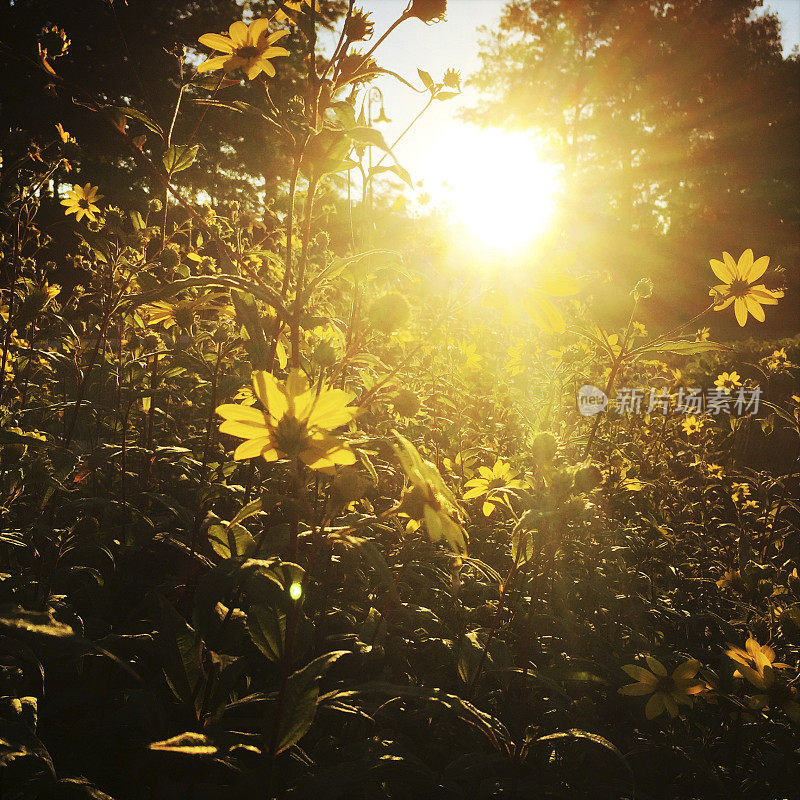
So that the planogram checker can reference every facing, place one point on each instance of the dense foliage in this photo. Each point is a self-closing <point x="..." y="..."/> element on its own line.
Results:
<point x="292" y="507"/>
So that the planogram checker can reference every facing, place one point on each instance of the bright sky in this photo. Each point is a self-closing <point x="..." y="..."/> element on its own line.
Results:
<point x="441" y="148"/>
<point x="454" y="43"/>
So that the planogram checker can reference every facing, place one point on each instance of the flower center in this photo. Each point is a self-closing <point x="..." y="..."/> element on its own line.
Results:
<point x="83" y="203"/>
<point x="665" y="684"/>
<point x="248" y="52"/>
<point x="291" y="435"/>
<point x="739" y="288"/>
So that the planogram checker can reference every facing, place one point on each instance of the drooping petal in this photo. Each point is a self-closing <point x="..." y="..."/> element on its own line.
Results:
<point x="670" y="705"/>
<point x="740" y="310"/>
<point x="216" y="41"/>
<point x="488" y="509"/>
<point x="767" y="297"/>
<point x="267" y="68"/>
<point x="754" y="308"/>
<point x="217" y="62"/>
<point x="655" y="706"/>
<point x="252" y="448"/>
<point x="476" y="491"/>
<point x="253" y="68"/>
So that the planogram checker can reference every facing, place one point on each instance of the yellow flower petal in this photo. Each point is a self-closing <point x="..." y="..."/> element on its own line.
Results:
<point x="722" y="270"/>
<point x="216" y="62"/>
<point x="740" y="310"/>
<point x="640" y="674"/>
<point x="238" y="34"/>
<point x="655" y="706"/>
<point x="655" y="665"/>
<point x="745" y="265"/>
<point x="636" y="689"/>
<point x="754" y="308"/>
<point x="270" y="394"/>
<point x="252" y="448"/>
<point x="758" y="269"/>
<point x="216" y="41"/>
<point x="257" y="29"/>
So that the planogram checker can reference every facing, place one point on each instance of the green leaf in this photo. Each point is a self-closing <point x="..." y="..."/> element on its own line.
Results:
<point x="179" y="157"/>
<point x="369" y="136"/>
<point x="401" y="173"/>
<point x="137" y="221"/>
<point x="231" y="540"/>
<point x="181" y="656"/>
<point x="300" y="700"/>
<point x="189" y="743"/>
<point x="211" y="82"/>
<point x="251" y="509"/>
<point x="446" y="95"/>
<point x="576" y="733"/>
<point x="15" y="619"/>
<point x="425" y="78"/>
<point x="267" y="629"/>
<point x="685" y="348"/>
<point x="150" y="124"/>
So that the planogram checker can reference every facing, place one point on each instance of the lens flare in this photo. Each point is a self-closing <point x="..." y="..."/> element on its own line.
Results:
<point x="498" y="189"/>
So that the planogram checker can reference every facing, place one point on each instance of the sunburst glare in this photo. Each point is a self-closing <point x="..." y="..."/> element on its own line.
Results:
<point x="496" y="186"/>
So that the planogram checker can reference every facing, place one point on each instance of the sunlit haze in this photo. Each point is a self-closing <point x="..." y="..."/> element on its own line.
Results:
<point x="494" y="185"/>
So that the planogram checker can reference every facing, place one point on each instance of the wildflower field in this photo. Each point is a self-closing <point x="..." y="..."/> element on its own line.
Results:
<point x="310" y="490"/>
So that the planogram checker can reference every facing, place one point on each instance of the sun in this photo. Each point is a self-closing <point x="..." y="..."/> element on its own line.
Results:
<point x="499" y="191"/>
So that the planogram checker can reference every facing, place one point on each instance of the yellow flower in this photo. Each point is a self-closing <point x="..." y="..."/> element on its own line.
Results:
<point x="667" y="690"/>
<point x="692" y="425"/>
<point x="639" y="329"/>
<point x="429" y="499"/>
<point x="740" y="491"/>
<point x="730" y="579"/>
<point x="296" y="422"/>
<point x="702" y="335"/>
<point x="295" y="5"/>
<point x="728" y="381"/>
<point x="472" y="358"/>
<point x="493" y="485"/>
<point x="778" y="360"/>
<point x="714" y="470"/>
<point x="756" y="663"/>
<point x="181" y="313"/>
<point x="81" y="201"/>
<point x="739" y="286"/>
<point x="246" y="47"/>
